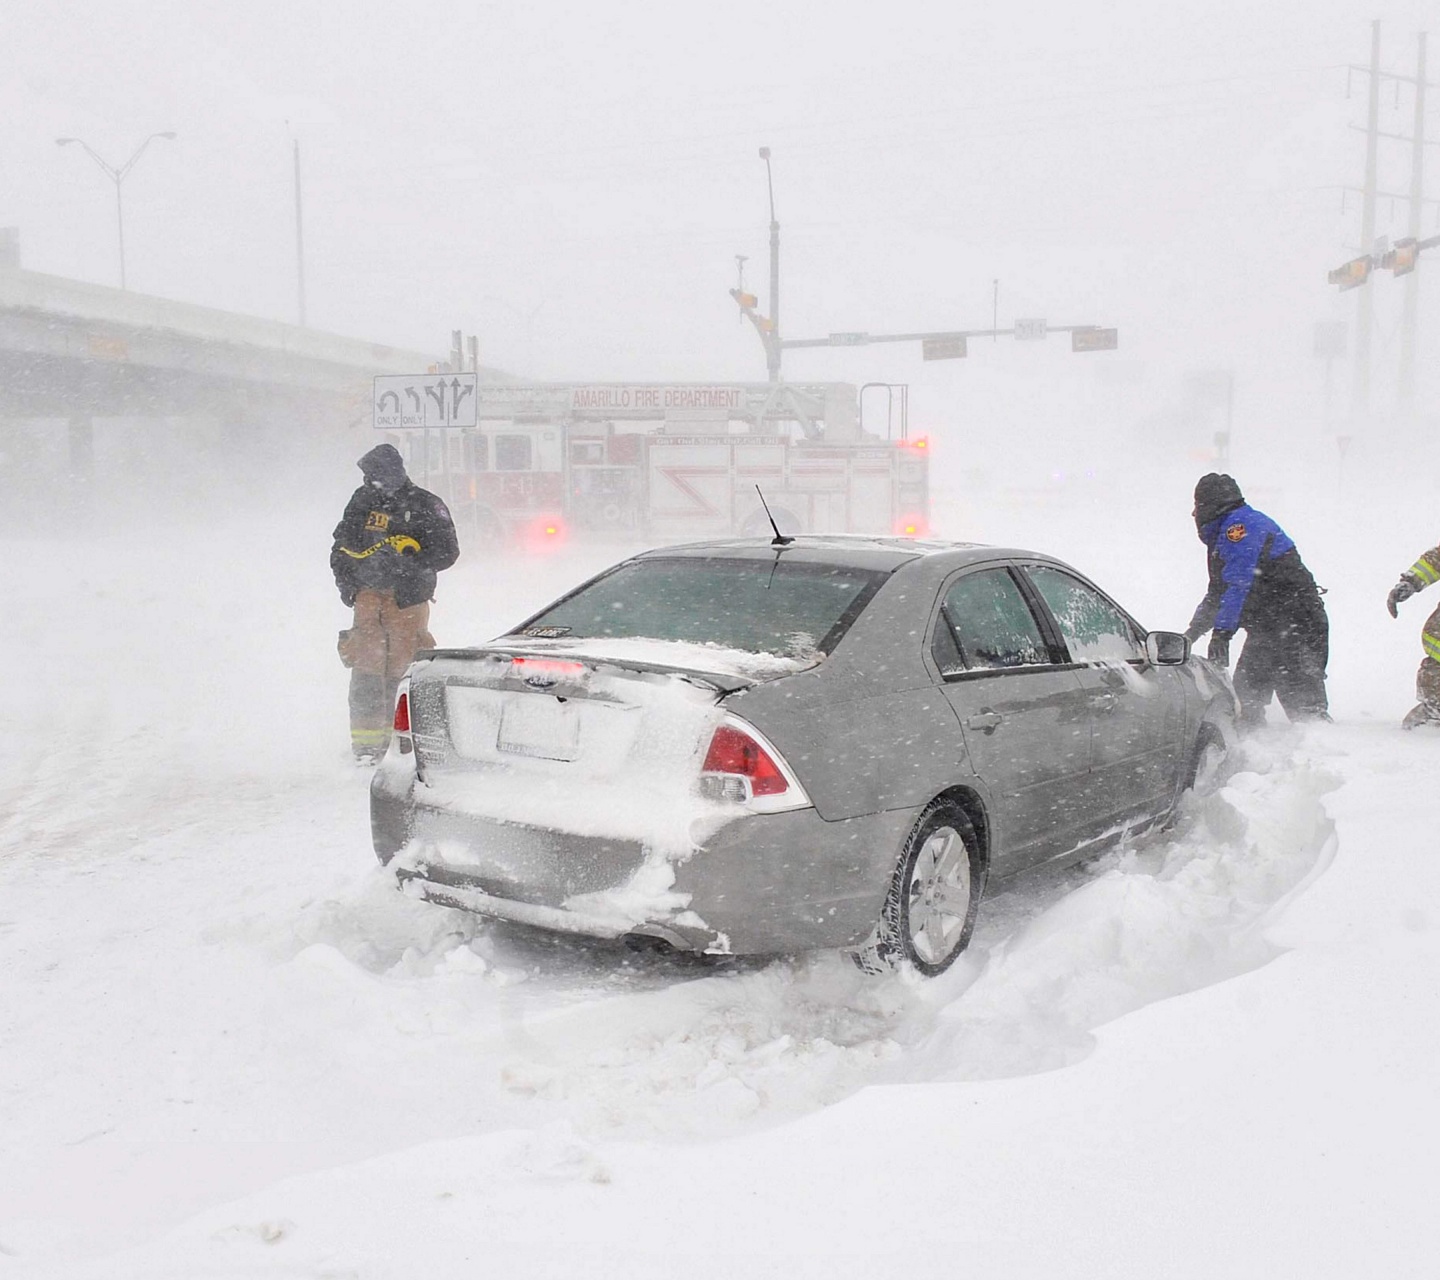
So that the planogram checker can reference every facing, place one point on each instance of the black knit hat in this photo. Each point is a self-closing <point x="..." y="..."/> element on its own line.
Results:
<point x="1215" y="494"/>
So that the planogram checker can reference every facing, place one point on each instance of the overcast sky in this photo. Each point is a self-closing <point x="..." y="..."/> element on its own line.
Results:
<point x="573" y="180"/>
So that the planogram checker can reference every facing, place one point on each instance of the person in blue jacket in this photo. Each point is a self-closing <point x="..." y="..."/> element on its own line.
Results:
<point x="1258" y="583"/>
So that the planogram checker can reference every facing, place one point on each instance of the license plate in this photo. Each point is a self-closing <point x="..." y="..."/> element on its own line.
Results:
<point x="535" y="725"/>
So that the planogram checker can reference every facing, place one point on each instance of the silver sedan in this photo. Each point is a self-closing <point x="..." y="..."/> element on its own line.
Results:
<point x="757" y="747"/>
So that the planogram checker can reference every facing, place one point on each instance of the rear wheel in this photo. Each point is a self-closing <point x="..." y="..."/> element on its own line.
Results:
<point x="929" y="913"/>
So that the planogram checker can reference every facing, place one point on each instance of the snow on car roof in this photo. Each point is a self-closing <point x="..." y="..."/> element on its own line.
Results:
<point x="857" y="550"/>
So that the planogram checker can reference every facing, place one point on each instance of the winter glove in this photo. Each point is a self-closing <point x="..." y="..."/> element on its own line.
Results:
<point x="1402" y="590"/>
<point x="1220" y="648"/>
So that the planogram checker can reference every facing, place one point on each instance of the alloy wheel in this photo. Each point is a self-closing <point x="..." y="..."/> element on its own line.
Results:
<point x="938" y="903"/>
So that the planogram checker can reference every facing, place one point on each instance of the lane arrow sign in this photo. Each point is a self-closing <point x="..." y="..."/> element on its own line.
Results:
<point x="437" y="393"/>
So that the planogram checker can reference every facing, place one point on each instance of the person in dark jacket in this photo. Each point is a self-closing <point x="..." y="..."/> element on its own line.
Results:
<point x="1258" y="583"/>
<point x="391" y="542"/>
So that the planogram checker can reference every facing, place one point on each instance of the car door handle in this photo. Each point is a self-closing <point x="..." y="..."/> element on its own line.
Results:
<point x="985" y="721"/>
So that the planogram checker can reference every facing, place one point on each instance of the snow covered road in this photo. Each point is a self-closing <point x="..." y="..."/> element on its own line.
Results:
<point x="228" y="1047"/>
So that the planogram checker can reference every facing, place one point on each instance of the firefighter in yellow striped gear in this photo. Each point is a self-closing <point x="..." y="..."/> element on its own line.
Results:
<point x="1417" y="577"/>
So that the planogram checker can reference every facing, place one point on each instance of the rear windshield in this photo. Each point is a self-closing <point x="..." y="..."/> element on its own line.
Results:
<point x="760" y="606"/>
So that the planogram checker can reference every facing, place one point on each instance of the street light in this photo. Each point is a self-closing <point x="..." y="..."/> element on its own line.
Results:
<point x="772" y="348"/>
<point x="117" y="175"/>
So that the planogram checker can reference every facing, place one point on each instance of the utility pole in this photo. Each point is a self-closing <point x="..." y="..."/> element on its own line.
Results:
<point x="1360" y="391"/>
<point x="1402" y="258"/>
<point x="1409" y="319"/>
<point x="299" y="237"/>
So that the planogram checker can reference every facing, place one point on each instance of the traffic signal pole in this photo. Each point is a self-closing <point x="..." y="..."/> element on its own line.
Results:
<point x="948" y="344"/>
<point x="869" y="339"/>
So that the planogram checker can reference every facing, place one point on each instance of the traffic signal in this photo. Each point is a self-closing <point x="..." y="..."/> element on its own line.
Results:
<point x="1353" y="274"/>
<point x="1401" y="259"/>
<point x="1093" y="338"/>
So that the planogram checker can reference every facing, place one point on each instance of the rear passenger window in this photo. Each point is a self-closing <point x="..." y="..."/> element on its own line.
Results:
<point x="989" y="626"/>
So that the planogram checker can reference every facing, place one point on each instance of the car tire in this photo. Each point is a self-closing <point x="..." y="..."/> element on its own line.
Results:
<point x="1207" y="764"/>
<point x="934" y="897"/>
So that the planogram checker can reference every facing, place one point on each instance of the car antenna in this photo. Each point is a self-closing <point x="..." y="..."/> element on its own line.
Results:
<point x="779" y="540"/>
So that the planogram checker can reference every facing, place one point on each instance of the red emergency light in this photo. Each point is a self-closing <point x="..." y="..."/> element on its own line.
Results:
<point x="544" y="533"/>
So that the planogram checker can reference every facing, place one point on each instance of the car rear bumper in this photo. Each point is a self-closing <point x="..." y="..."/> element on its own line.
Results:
<point x="763" y="884"/>
<point x="434" y="885"/>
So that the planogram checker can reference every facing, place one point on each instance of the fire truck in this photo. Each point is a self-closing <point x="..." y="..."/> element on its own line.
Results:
<point x="662" y="461"/>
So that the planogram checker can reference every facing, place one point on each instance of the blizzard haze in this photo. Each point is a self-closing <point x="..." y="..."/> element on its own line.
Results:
<point x="228" y="1047"/>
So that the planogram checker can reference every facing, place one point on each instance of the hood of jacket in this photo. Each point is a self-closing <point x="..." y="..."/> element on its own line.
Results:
<point x="1216" y="495"/>
<point x="384" y="468"/>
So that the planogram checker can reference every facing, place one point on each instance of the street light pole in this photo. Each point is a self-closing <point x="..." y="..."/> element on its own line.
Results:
<point x="772" y="347"/>
<point x="117" y="174"/>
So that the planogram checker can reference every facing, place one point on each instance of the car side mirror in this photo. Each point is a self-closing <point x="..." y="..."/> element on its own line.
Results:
<point x="1166" y="648"/>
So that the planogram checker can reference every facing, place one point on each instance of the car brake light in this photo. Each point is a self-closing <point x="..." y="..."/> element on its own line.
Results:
<point x="912" y="526"/>
<point x="402" y="714"/>
<point x="551" y="669"/>
<point x="736" y="754"/>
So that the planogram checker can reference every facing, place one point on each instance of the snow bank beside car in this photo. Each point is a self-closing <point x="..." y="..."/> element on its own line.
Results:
<point x="1157" y="919"/>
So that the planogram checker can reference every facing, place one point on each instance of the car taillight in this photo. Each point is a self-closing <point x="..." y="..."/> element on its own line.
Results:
<point x="742" y="768"/>
<point x="737" y="754"/>
<point x="401" y="723"/>
<point x="915" y="526"/>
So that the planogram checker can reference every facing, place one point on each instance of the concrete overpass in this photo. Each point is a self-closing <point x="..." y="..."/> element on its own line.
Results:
<point x="73" y="352"/>
<point x="68" y="349"/>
